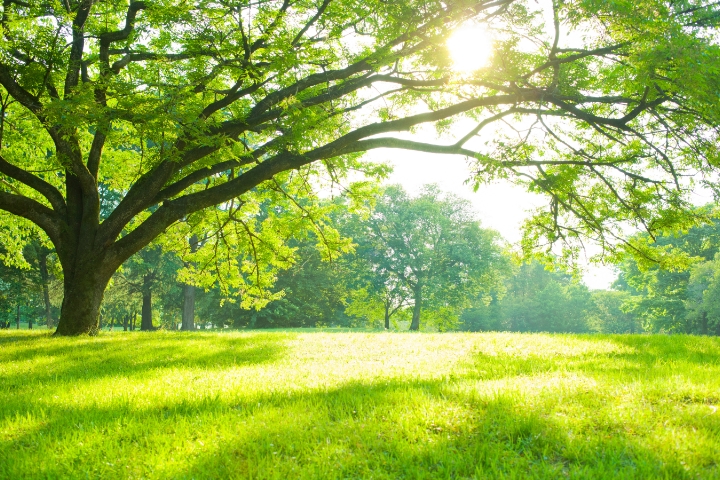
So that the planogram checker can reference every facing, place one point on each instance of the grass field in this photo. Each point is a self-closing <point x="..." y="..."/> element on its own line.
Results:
<point x="358" y="405"/>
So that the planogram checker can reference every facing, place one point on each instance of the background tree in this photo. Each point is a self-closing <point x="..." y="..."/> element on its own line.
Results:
<point x="38" y="256"/>
<point x="21" y="291"/>
<point x="188" y="308"/>
<point x="534" y="299"/>
<point x="314" y="292"/>
<point x="379" y="297"/>
<point x="703" y="297"/>
<point x="430" y="249"/>
<point x="184" y="107"/>
<point x="542" y="300"/>
<point x="668" y="295"/>
<point x="121" y="302"/>
<point x="151" y="272"/>
<point x="609" y="316"/>
<point x="375" y="291"/>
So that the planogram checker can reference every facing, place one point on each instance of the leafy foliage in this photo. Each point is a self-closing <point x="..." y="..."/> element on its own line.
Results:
<point x="533" y="299"/>
<point x="428" y="252"/>
<point x="679" y="298"/>
<point x="203" y="114"/>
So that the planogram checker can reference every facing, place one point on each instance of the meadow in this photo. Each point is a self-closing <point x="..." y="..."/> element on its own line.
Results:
<point x="296" y="404"/>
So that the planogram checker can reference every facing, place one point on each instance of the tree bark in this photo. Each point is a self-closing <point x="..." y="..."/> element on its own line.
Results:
<point x="30" y="322"/>
<point x="84" y="290"/>
<point x="146" y="313"/>
<point x="126" y="319"/>
<point x="415" y="324"/>
<point x="45" y="278"/>
<point x="17" y="318"/>
<point x="188" y="311"/>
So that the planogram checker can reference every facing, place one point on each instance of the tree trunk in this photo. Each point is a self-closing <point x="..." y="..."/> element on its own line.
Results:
<point x="188" y="311"/>
<point x="146" y="315"/>
<point x="80" y="311"/>
<point x="387" y="316"/>
<point x="45" y="278"/>
<point x="17" y="318"/>
<point x="415" y="324"/>
<point x="126" y="319"/>
<point x="30" y="322"/>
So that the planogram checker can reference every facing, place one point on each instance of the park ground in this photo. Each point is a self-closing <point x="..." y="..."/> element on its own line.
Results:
<point x="298" y="404"/>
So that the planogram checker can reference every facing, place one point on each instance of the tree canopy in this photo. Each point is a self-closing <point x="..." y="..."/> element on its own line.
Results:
<point x="682" y="296"/>
<point x="202" y="114"/>
<point x="428" y="252"/>
<point x="533" y="299"/>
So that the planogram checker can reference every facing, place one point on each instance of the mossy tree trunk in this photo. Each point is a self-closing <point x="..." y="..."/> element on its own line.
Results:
<point x="84" y="288"/>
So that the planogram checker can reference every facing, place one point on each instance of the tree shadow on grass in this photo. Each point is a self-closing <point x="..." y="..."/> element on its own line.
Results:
<point x="634" y="356"/>
<point x="15" y="337"/>
<point x="382" y="428"/>
<point x="371" y="431"/>
<point x="135" y="355"/>
<point x="393" y="429"/>
<point x="686" y="348"/>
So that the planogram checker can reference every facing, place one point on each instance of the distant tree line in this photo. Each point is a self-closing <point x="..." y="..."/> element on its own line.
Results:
<point x="420" y="262"/>
<point x="536" y="299"/>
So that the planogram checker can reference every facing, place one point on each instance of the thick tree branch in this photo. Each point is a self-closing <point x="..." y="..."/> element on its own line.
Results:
<point x="197" y="176"/>
<point x="25" y="98"/>
<point x="260" y="114"/>
<point x="37" y="213"/>
<point x="109" y="37"/>
<point x="39" y="185"/>
<point x="175" y="209"/>
<point x="619" y="123"/>
<point x="77" y="46"/>
<point x="555" y="61"/>
<point x="93" y="163"/>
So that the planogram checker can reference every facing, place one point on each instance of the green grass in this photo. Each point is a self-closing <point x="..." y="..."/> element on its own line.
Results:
<point x="358" y="405"/>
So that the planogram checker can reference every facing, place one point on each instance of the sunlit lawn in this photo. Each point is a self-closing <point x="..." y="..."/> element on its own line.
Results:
<point x="358" y="405"/>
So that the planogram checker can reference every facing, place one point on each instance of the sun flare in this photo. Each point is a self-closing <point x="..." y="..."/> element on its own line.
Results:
<point x="470" y="48"/>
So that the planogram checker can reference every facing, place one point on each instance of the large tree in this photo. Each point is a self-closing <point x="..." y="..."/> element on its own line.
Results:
<point x="430" y="251"/>
<point x="205" y="110"/>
